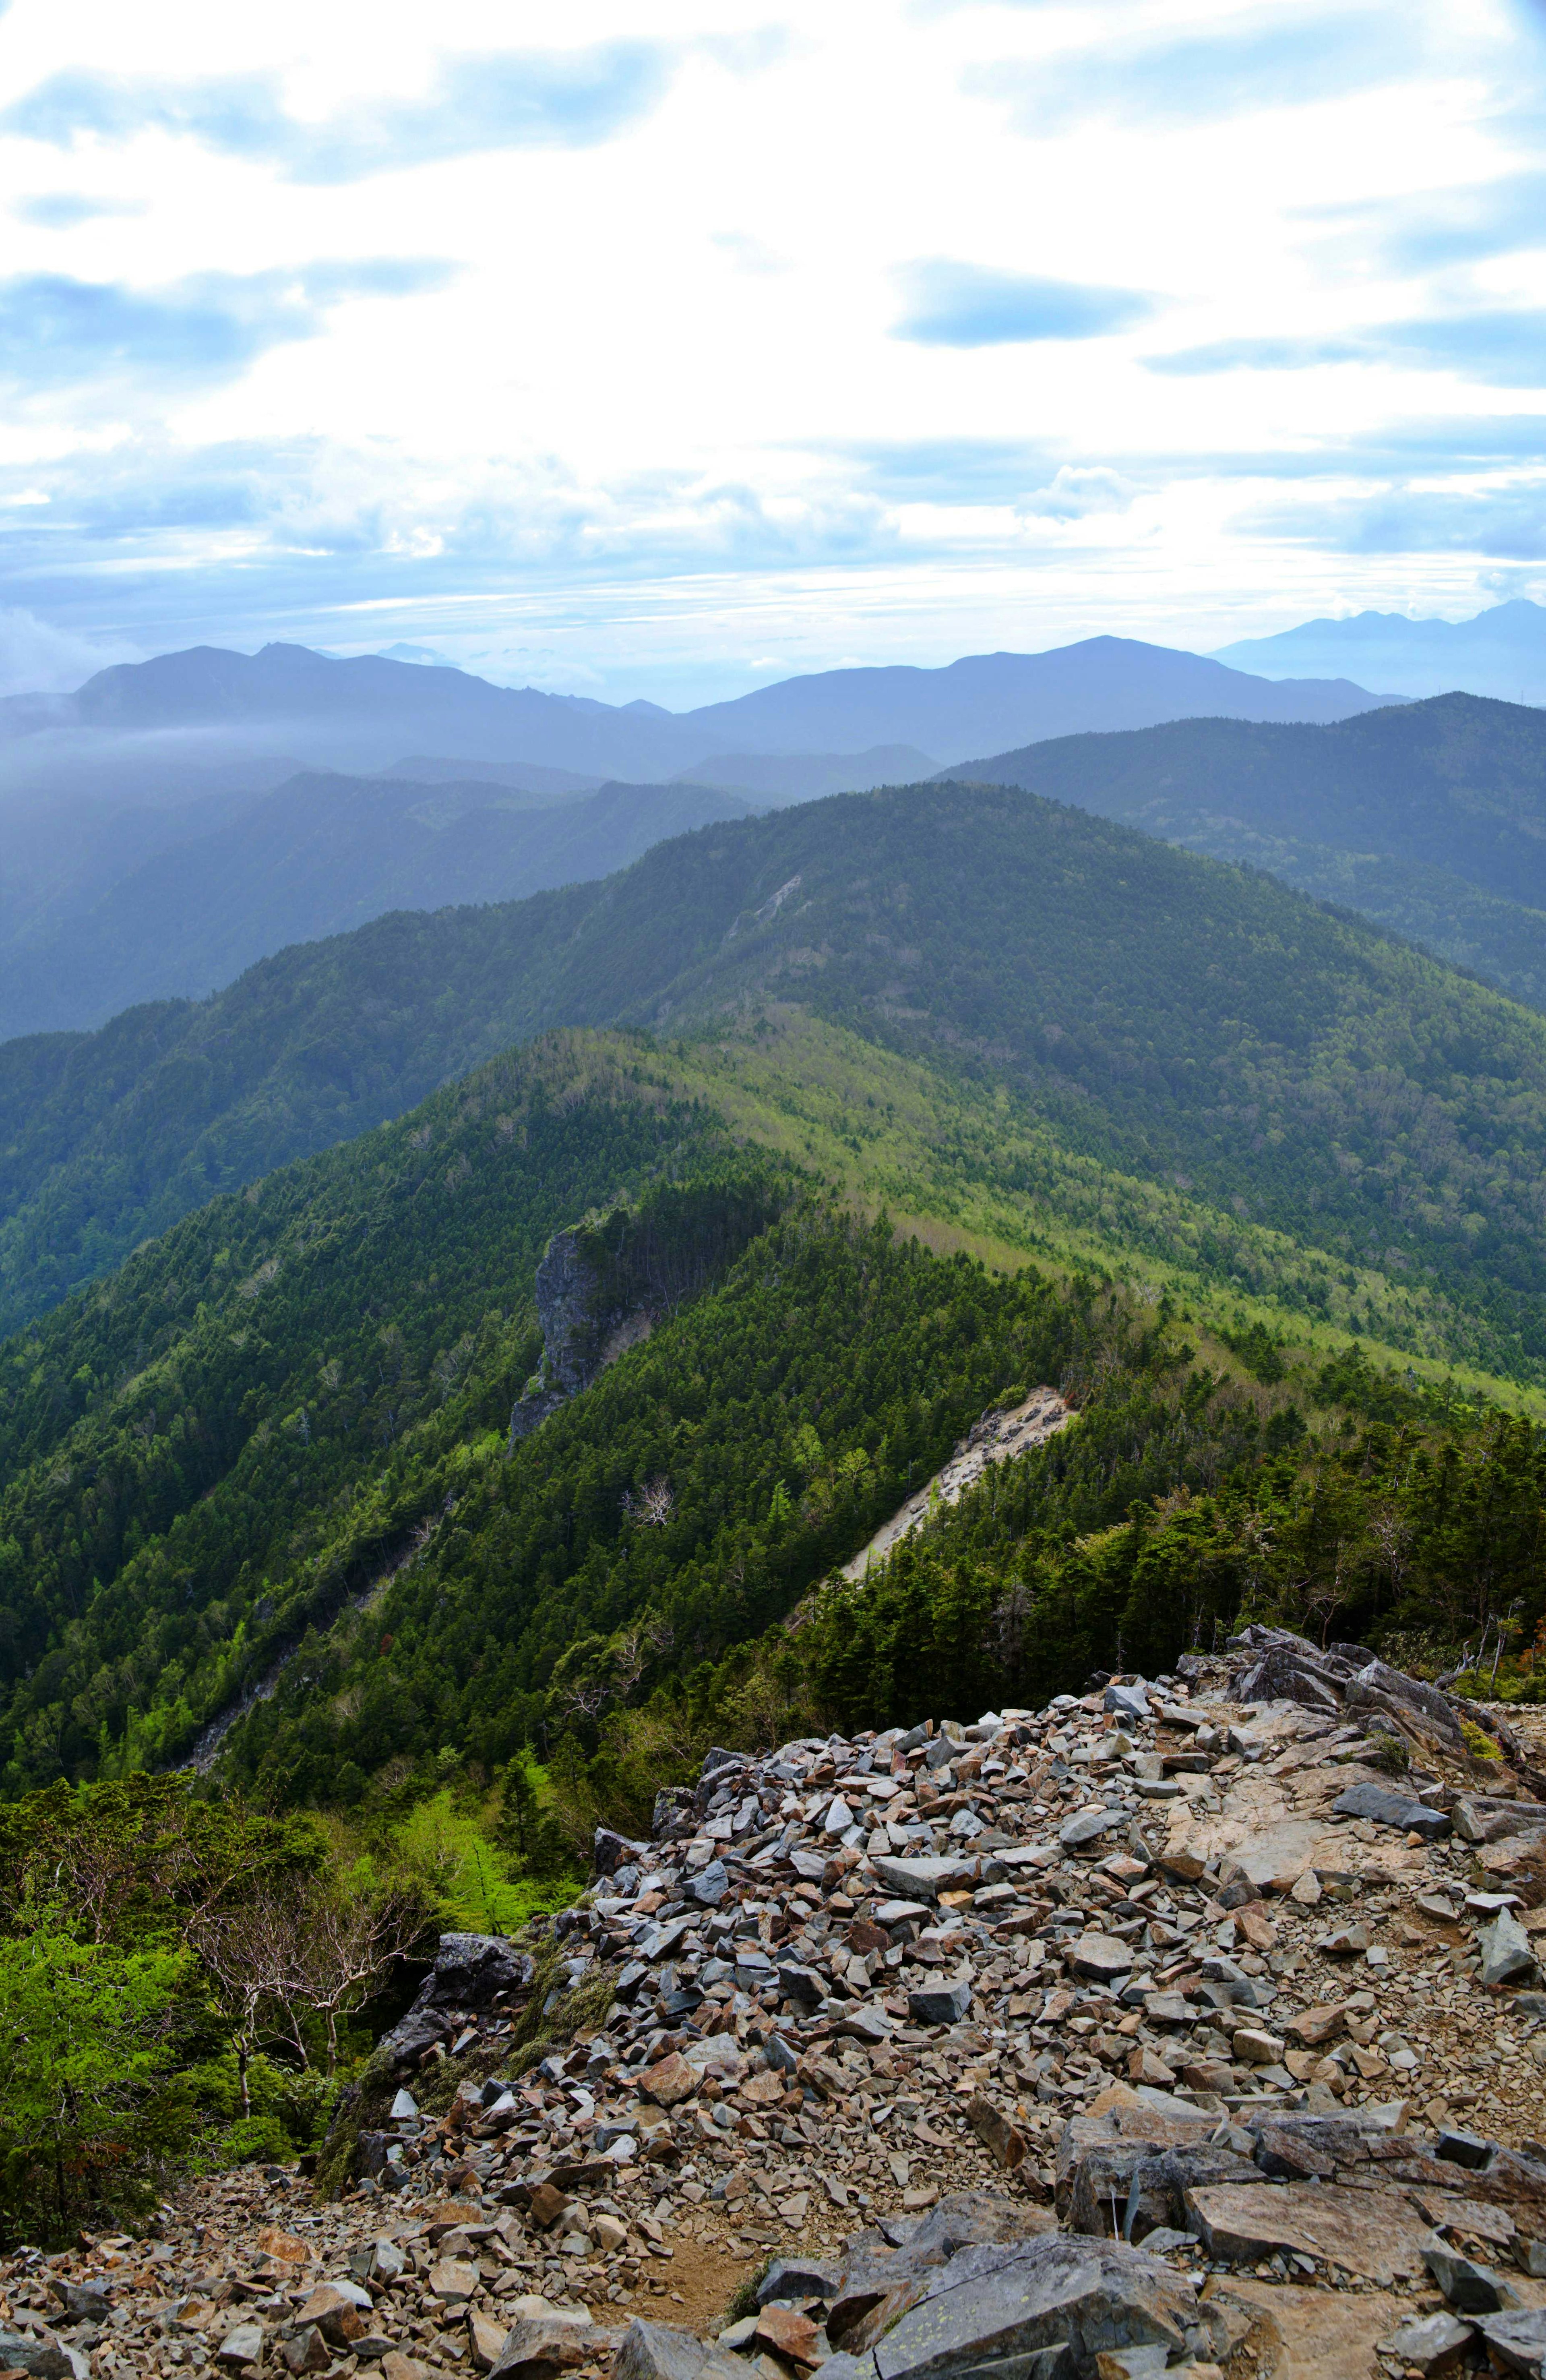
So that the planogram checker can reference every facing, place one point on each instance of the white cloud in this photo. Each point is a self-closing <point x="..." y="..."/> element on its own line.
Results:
<point x="37" y="658"/>
<point x="628" y="406"/>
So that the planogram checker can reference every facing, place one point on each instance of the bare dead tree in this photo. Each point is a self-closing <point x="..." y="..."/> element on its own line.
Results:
<point x="652" y="1504"/>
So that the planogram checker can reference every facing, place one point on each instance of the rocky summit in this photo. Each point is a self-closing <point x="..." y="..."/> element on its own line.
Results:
<point x="1193" y="2024"/>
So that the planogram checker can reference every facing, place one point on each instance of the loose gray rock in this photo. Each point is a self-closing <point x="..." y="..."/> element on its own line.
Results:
<point x="1469" y="2286"/>
<point x="1506" y="1956"/>
<point x="1087" y="1827"/>
<point x="1387" y="1809"/>
<point x="654" y="2350"/>
<point x="990" y="2304"/>
<point x="940" y="2003"/>
<point x="1433" y="2344"/>
<point x="1517" y="2340"/>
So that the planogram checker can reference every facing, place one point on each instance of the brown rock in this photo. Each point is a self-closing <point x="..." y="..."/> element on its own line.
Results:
<point x="335" y="2315"/>
<point x="485" y="2340"/>
<point x="545" y="2204"/>
<point x="1316" y="2025"/>
<point x="1376" y="2234"/>
<point x="1004" y="2141"/>
<point x="307" y="2351"/>
<point x="452" y="2279"/>
<point x="395" y="2365"/>
<point x="790" y="2334"/>
<point x="669" y="2082"/>
<point x="283" y="2245"/>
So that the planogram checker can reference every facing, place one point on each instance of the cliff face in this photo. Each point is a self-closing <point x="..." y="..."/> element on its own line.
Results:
<point x="589" y="1310"/>
<point x="601" y="1288"/>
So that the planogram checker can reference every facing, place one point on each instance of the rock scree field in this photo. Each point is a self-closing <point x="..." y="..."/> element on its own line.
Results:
<point x="1189" y="2024"/>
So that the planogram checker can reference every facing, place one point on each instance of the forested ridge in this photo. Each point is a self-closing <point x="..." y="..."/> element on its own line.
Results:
<point x="1428" y="817"/>
<point x="1184" y="1023"/>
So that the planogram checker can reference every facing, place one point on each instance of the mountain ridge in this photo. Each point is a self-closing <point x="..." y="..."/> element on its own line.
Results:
<point x="359" y="714"/>
<point x="1428" y="819"/>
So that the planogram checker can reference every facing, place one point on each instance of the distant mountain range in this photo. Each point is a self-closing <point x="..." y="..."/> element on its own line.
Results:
<point x="144" y="723"/>
<point x="1502" y="652"/>
<point x="317" y="856"/>
<point x="1429" y="818"/>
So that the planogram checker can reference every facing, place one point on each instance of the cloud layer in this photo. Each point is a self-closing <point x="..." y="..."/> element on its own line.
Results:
<point x="705" y="345"/>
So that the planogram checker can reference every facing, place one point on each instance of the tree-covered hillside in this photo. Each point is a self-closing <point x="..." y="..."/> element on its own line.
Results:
<point x="1184" y="1023"/>
<point x="262" y="1474"/>
<point x="1429" y="817"/>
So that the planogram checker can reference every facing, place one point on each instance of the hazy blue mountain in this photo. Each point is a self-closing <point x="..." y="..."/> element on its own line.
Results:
<point x="1500" y="651"/>
<point x="1103" y="682"/>
<point x="153" y="722"/>
<point x="774" y="777"/>
<point x="515" y="776"/>
<point x="321" y="855"/>
<point x="356" y="714"/>
<point x="1429" y="817"/>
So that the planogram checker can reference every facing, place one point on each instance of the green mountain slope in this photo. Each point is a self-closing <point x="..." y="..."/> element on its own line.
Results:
<point x="1181" y="1024"/>
<point x="261" y="1474"/>
<point x="1428" y="819"/>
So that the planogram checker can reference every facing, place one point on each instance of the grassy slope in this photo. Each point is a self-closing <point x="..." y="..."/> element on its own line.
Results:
<point x="965" y="1166"/>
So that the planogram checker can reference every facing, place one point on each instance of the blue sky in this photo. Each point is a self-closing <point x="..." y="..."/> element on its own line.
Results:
<point x="719" y="339"/>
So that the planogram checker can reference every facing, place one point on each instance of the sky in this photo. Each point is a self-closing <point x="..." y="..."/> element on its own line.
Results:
<point x="717" y="340"/>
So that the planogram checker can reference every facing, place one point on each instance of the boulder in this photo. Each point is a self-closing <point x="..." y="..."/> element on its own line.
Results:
<point x="1008" y="2305"/>
<point x="613" y="1851"/>
<point x="654" y="2350"/>
<point x="471" y="1971"/>
<point x="1469" y="2286"/>
<point x="1377" y="2234"/>
<point x="939" y="2003"/>
<point x="1506" y="1956"/>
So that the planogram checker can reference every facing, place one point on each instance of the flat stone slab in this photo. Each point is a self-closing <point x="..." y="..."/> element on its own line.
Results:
<point x="1378" y="1804"/>
<point x="922" y="1878"/>
<point x="991" y="2305"/>
<point x="1380" y="2236"/>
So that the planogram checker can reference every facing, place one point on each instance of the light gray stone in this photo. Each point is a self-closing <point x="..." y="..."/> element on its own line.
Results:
<point x="1506" y="1956"/>
<point x="1433" y="2344"/>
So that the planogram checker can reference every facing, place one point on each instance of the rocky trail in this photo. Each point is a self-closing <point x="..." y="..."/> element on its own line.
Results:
<point x="1191" y="2024"/>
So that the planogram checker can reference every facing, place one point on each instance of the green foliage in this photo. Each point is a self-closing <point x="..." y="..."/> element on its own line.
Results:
<point x="1427" y="817"/>
<point x="86" y="2116"/>
<point x="1074" y="1562"/>
<point x="1181" y="1026"/>
<point x="271" y="1410"/>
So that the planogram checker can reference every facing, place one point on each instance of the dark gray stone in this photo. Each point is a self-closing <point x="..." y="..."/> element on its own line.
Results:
<point x="1469" y="2286"/>
<point x="1087" y="1827"/>
<point x="709" y="1887"/>
<point x="939" y="2003"/>
<point x="42" y="2357"/>
<point x="82" y="2302"/>
<point x="798" y="2277"/>
<point x="799" y="1983"/>
<point x="1464" y="2148"/>
<point x="654" y="2350"/>
<point x="1001" y="2307"/>
<point x="1517" y="2340"/>
<point x="1506" y="1955"/>
<point x="1387" y="1809"/>
<point x="614" y="1851"/>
